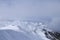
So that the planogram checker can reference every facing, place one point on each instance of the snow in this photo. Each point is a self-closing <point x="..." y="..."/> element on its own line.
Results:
<point x="27" y="27"/>
<point x="41" y="34"/>
<point x="10" y="27"/>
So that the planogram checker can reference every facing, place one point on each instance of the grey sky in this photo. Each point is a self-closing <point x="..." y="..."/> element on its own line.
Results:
<point x="29" y="9"/>
<point x="32" y="10"/>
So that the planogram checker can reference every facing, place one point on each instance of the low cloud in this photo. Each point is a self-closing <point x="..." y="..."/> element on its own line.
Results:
<point x="29" y="10"/>
<point x="55" y="24"/>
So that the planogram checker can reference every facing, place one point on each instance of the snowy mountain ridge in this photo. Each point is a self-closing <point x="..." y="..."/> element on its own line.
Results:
<point x="38" y="29"/>
<point x="23" y="27"/>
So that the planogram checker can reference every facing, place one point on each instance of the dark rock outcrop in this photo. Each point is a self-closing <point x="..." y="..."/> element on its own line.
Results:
<point x="52" y="35"/>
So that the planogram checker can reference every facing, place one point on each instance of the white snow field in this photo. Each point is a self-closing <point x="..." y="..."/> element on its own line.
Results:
<point x="31" y="28"/>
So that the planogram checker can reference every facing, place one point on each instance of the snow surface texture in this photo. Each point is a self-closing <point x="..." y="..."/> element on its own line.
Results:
<point x="34" y="31"/>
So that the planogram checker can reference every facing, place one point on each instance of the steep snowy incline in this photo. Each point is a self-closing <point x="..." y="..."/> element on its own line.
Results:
<point x="38" y="29"/>
<point x="27" y="27"/>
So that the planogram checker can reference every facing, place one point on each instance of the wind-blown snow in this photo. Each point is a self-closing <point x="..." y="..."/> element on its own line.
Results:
<point x="27" y="27"/>
<point x="10" y="27"/>
<point x="41" y="33"/>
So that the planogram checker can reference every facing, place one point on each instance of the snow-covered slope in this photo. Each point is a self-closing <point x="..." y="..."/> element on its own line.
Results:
<point x="32" y="28"/>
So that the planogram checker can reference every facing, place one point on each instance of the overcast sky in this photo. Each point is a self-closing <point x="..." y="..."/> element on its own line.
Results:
<point x="29" y="9"/>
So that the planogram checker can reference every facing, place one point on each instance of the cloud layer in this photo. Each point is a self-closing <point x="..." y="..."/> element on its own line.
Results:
<point x="29" y="9"/>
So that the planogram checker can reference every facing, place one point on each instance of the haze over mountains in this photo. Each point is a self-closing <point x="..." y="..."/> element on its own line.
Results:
<point x="33" y="13"/>
<point x="27" y="30"/>
<point x="17" y="27"/>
